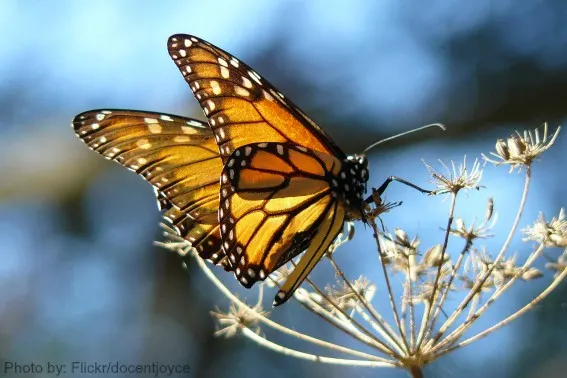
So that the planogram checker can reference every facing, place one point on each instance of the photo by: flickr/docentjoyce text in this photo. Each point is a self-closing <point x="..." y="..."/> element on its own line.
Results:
<point x="49" y="368"/>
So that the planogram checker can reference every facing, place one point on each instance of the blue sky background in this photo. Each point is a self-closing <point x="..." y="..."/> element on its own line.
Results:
<point x="79" y="278"/>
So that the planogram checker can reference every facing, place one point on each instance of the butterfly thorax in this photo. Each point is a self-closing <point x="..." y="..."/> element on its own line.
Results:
<point x="350" y="185"/>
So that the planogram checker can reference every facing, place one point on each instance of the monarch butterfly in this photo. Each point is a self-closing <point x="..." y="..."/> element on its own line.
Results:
<point x="253" y="188"/>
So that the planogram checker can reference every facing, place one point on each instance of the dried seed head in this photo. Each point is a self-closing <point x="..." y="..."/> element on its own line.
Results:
<point x="481" y="231"/>
<point x="502" y="149"/>
<point x="456" y="178"/>
<point x="489" y="209"/>
<point x="517" y="146"/>
<point x="347" y="297"/>
<point x="521" y="150"/>
<point x="237" y="317"/>
<point x="551" y="234"/>
<point x="558" y="266"/>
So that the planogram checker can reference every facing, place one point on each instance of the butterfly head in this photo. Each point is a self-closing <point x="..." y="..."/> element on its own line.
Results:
<point x="351" y="184"/>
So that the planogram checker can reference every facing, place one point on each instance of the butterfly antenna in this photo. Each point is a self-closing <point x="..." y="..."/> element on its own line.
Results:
<point x="440" y="125"/>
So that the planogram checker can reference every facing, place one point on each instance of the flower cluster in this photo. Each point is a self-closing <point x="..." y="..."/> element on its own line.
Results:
<point x="445" y="288"/>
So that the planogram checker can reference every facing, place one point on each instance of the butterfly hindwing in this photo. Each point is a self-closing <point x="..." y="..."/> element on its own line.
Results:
<point x="172" y="153"/>
<point x="276" y="199"/>
<point x="242" y="107"/>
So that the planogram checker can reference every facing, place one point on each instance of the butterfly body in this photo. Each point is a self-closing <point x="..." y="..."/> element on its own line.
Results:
<point x="256" y="186"/>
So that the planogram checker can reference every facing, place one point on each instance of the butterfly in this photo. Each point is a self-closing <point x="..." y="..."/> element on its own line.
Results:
<point x="257" y="185"/>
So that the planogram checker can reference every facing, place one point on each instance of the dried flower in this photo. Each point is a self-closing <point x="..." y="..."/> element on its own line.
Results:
<point x="521" y="150"/>
<point x="238" y="317"/>
<point x="456" y="178"/>
<point x="552" y="233"/>
<point x="559" y="266"/>
<point x="349" y="295"/>
<point x="444" y="288"/>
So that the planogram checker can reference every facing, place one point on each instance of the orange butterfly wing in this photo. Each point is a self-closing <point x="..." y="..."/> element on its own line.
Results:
<point x="272" y="214"/>
<point x="176" y="155"/>
<point x="276" y="201"/>
<point x="242" y="107"/>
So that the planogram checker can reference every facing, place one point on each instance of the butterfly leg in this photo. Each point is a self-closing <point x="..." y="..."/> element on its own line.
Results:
<point x="387" y="182"/>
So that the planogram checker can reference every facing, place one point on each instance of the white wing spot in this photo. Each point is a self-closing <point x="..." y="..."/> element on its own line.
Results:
<point x="166" y="118"/>
<point x="231" y="173"/>
<point x="95" y="126"/>
<point x="301" y="148"/>
<point x="220" y="120"/>
<point x="215" y="87"/>
<point x="234" y="62"/>
<point x="141" y="161"/>
<point x="100" y="117"/>
<point x="225" y="73"/>
<point x="183" y="53"/>
<point x="263" y="145"/>
<point x="211" y="105"/>
<point x="155" y="128"/>
<point x="194" y="39"/>
<point x="188" y="69"/>
<point x="144" y="144"/>
<point x="268" y="96"/>
<point x="182" y="139"/>
<point x="102" y="139"/>
<point x="150" y="120"/>
<point x="221" y="132"/>
<point x="187" y="130"/>
<point x="251" y="272"/>
<point x="195" y="123"/>
<point x="187" y="43"/>
<point x="247" y="83"/>
<point x="280" y="149"/>
<point x="255" y="77"/>
<point x="222" y="62"/>
<point x="241" y="91"/>
<point x="247" y="150"/>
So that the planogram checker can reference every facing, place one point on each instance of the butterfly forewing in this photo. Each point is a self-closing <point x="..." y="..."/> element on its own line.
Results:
<point x="242" y="107"/>
<point x="177" y="155"/>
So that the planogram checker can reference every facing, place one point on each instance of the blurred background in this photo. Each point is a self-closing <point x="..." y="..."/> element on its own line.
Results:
<point x="79" y="277"/>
